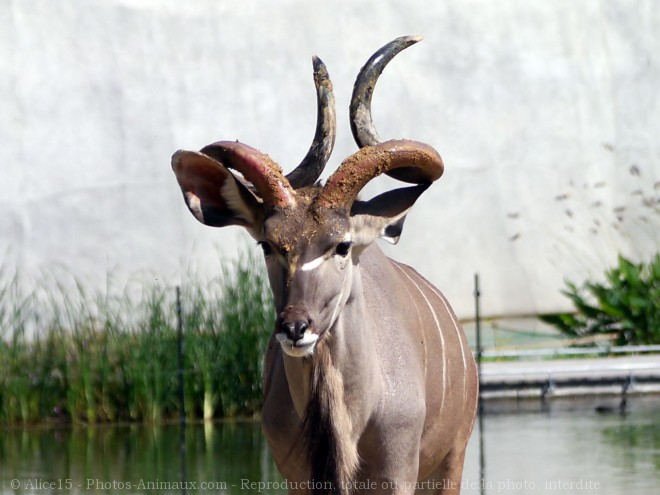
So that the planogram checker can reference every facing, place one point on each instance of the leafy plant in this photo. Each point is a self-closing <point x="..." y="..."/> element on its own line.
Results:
<point x="69" y="355"/>
<point x="626" y="303"/>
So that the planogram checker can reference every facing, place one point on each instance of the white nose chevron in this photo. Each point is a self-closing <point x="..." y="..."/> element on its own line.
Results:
<point x="304" y="347"/>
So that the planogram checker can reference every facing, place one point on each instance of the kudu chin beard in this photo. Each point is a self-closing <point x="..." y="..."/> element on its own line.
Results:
<point x="327" y="429"/>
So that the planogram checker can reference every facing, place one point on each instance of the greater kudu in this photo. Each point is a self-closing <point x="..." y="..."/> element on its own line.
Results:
<point x="369" y="383"/>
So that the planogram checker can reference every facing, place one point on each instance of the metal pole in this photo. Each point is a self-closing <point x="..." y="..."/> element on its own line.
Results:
<point x="480" y="413"/>
<point x="477" y="319"/>
<point x="182" y="407"/>
<point x="179" y="329"/>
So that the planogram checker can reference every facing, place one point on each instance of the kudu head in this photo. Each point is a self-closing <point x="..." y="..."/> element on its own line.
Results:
<point x="311" y="235"/>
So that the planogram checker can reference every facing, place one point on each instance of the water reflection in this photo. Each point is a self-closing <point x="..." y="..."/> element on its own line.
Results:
<point x="527" y="448"/>
<point x="136" y="458"/>
<point x="568" y="446"/>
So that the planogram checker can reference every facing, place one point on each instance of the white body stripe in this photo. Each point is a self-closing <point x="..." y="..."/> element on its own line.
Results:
<point x="458" y="333"/>
<point x="442" y="338"/>
<point x="451" y="315"/>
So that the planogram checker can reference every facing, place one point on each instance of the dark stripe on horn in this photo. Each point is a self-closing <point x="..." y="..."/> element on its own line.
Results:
<point x="362" y="124"/>
<point x="421" y="162"/>
<point x="257" y="168"/>
<point x="319" y="152"/>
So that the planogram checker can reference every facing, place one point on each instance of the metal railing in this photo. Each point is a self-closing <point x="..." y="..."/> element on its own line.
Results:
<point x="570" y="351"/>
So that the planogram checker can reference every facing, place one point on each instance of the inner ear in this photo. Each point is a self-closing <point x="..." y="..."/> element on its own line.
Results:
<point x="383" y="216"/>
<point x="213" y="194"/>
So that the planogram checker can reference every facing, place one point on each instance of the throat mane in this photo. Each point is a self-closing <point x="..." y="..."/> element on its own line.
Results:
<point x="327" y="429"/>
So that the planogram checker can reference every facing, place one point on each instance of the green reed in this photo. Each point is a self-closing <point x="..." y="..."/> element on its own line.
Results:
<point x="108" y="356"/>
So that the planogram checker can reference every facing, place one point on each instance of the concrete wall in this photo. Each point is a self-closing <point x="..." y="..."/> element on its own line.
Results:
<point x="547" y="115"/>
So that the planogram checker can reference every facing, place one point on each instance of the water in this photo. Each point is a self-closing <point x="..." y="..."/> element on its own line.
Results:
<point x="565" y="446"/>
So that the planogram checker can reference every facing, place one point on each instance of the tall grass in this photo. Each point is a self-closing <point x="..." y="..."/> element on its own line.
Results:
<point x="70" y="355"/>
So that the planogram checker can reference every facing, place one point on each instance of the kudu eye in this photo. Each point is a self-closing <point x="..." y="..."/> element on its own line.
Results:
<point x="265" y="247"/>
<point x="343" y="248"/>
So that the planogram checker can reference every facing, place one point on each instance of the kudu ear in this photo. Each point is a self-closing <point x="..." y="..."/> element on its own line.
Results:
<point x="213" y="194"/>
<point x="383" y="216"/>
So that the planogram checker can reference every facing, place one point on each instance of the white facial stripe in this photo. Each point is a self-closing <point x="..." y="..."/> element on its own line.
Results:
<point x="343" y="296"/>
<point x="315" y="263"/>
<point x="311" y="265"/>
<point x="335" y="312"/>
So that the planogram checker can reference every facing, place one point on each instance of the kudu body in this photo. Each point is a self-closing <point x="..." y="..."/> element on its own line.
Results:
<point x="369" y="383"/>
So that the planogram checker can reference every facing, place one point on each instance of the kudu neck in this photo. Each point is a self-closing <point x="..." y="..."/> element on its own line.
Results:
<point x="349" y="348"/>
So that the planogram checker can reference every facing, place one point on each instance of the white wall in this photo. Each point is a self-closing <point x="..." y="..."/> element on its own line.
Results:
<point x="527" y="101"/>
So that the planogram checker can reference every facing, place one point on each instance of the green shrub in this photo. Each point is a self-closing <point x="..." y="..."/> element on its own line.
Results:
<point x="72" y="356"/>
<point x="627" y="303"/>
<point x="227" y="337"/>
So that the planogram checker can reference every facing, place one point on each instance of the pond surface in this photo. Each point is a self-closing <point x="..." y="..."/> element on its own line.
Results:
<point x="564" y="446"/>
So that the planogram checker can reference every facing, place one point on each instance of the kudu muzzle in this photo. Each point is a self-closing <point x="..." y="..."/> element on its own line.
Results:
<point x="294" y="321"/>
<point x="294" y="331"/>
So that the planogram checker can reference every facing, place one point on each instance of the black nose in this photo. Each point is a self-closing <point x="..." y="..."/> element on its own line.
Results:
<point x="295" y="329"/>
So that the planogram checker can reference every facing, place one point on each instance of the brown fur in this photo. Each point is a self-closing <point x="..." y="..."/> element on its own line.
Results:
<point x="327" y="429"/>
<point x="409" y="413"/>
